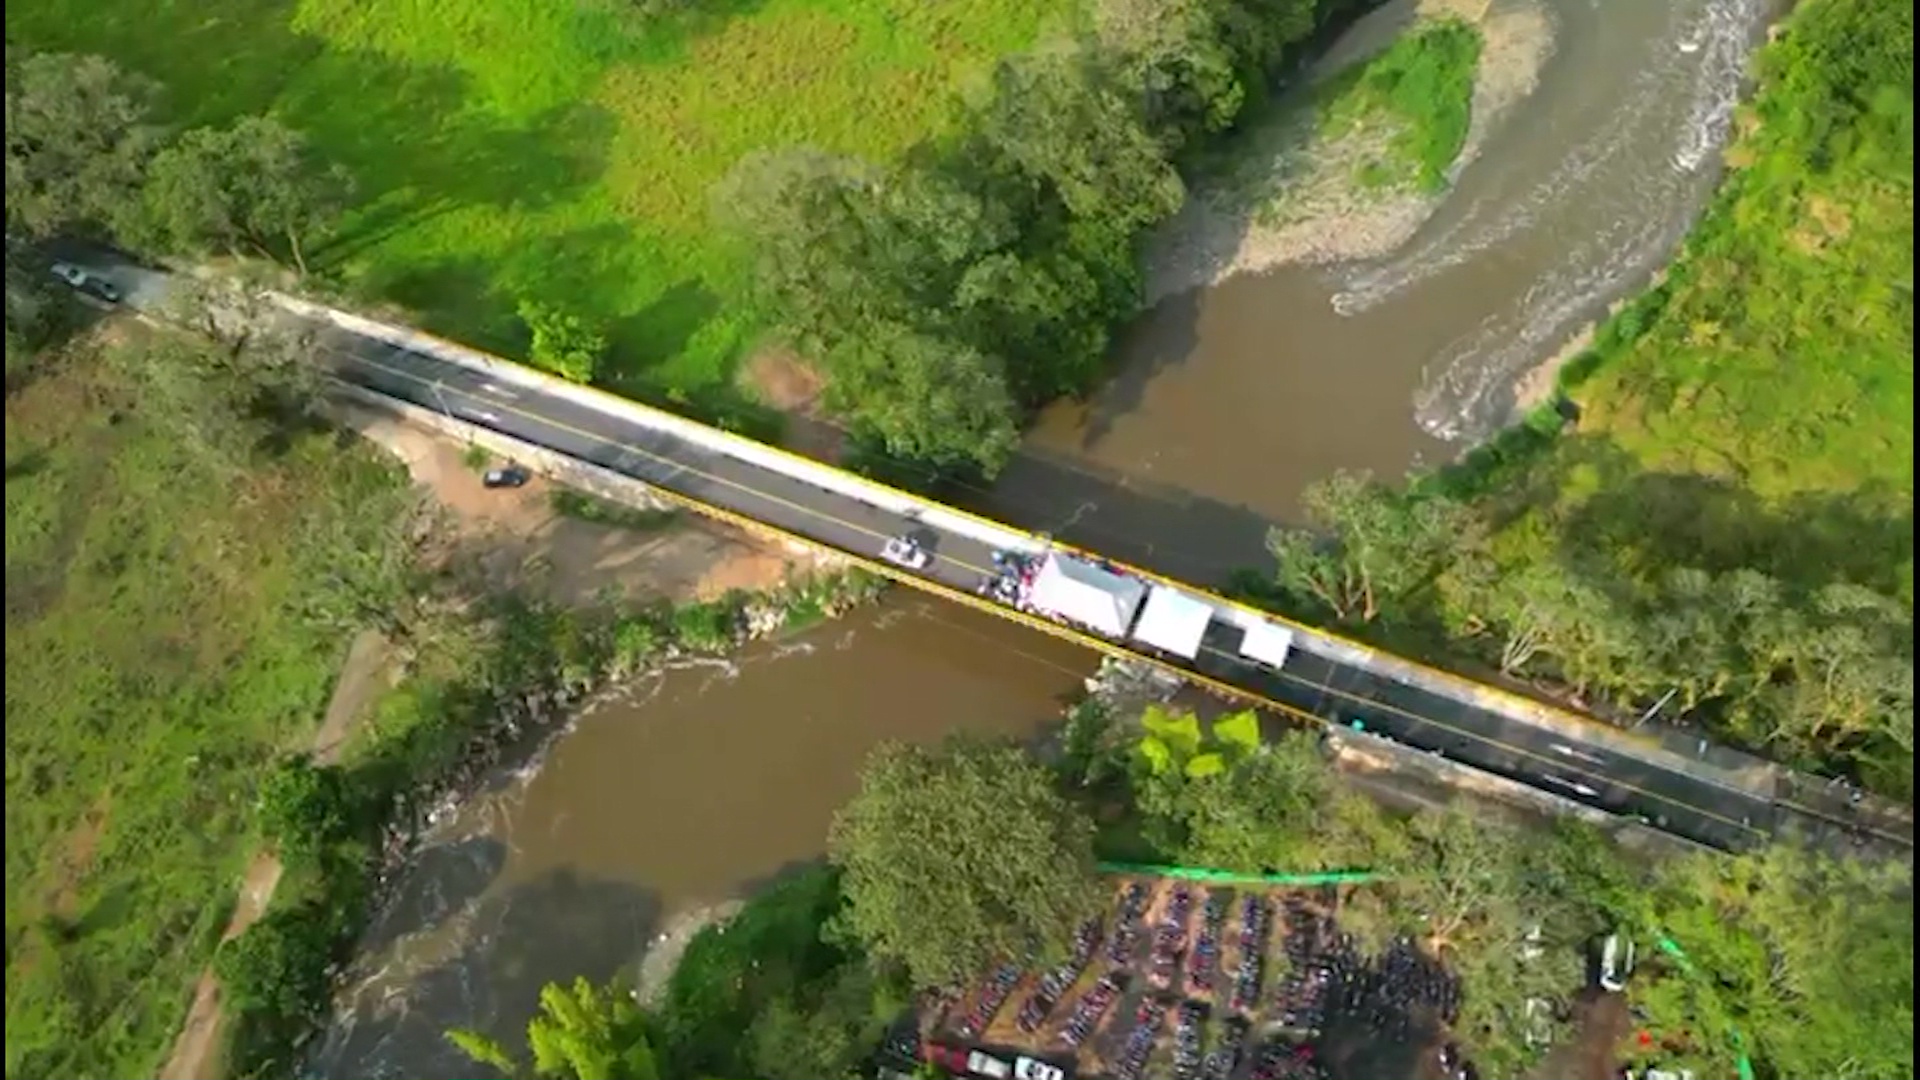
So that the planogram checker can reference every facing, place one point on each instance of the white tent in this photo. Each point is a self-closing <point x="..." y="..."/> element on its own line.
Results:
<point x="1079" y="591"/>
<point x="1265" y="642"/>
<point x="1173" y="621"/>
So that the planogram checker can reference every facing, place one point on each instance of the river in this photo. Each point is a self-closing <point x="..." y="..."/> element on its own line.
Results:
<point x="1230" y="400"/>
<point x="691" y="787"/>
<point x="676" y="793"/>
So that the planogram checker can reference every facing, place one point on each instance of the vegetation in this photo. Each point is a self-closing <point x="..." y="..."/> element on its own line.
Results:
<point x="1013" y="858"/>
<point x="1415" y="98"/>
<point x="165" y="645"/>
<point x="1731" y="524"/>
<point x="562" y="343"/>
<point x="563" y="152"/>
<point x="763" y="995"/>
<point x="575" y="504"/>
<point x="1467" y="890"/>
<point x="595" y="1033"/>
<point x="947" y="294"/>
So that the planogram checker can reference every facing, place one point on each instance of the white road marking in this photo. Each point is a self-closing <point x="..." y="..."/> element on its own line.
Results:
<point x="1568" y="751"/>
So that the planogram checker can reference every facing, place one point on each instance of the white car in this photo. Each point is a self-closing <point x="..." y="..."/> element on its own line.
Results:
<point x="86" y="281"/>
<point x="904" y="551"/>
<point x="1616" y="962"/>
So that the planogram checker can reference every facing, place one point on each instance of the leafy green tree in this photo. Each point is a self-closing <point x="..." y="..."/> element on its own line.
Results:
<point x="306" y="807"/>
<point x="926" y="399"/>
<point x="582" y="1032"/>
<point x="1368" y="546"/>
<point x="1809" y="958"/>
<point x="563" y="343"/>
<point x="956" y="856"/>
<point x="79" y="140"/>
<point x="253" y="186"/>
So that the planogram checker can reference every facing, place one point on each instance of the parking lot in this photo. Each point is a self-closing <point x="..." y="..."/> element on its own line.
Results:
<point x="1204" y="983"/>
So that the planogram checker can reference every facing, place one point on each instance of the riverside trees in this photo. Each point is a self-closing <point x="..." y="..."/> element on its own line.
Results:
<point x="947" y="295"/>
<point x="1821" y="672"/>
<point x="85" y="153"/>
<point x="957" y="856"/>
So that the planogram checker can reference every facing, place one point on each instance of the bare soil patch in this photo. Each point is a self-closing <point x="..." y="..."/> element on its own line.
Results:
<point x="503" y="538"/>
<point x="514" y="537"/>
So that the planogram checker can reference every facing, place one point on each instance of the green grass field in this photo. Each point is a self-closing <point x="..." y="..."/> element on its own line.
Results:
<point x="159" y="656"/>
<point x="1419" y="92"/>
<point x="1763" y="413"/>
<point x="549" y="149"/>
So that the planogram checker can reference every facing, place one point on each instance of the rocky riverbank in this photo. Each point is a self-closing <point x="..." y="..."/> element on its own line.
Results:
<point x="1291" y="197"/>
<point x="524" y="719"/>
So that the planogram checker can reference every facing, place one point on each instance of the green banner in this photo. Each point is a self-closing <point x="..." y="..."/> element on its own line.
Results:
<point x="1227" y="877"/>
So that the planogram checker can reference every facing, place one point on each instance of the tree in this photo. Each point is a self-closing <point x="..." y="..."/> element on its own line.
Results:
<point x="78" y="142"/>
<point x="250" y="186"/>
<point x="958" y="856"/>
<point x="582" y="1032"/>
<point x="1809" y="958"/>
<point x="925" y="399"/>
<point x="563" y="343"/>
<point x="1368" y="545"/>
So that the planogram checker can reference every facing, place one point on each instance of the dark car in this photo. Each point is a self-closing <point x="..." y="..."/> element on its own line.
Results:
<point x="506" y="476"/>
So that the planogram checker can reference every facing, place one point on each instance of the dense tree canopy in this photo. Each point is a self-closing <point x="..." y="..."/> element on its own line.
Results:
<point x="956" y="856"/>
<point x="1809" y="959"/>
<point x="948" y="295"/>
<point x="250" y="188"/>
<point x="80" y="135"/>
<point x="1819" y="672"/>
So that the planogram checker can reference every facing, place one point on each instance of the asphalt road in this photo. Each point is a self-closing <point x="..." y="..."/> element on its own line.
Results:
<point x="1697" y="807"/>
<point x="1678" y="802"/>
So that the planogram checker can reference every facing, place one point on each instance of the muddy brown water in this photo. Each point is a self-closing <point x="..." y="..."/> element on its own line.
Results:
<point x="1228" y="401"/>
<point x="685" y="790"/>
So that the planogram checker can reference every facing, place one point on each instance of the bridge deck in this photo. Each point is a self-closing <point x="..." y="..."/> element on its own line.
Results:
<point x="1324" y="678"/>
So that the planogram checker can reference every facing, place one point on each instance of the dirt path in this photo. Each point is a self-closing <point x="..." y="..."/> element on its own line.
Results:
<point x="196" y="1051"/>
<point x="506" y="539"/>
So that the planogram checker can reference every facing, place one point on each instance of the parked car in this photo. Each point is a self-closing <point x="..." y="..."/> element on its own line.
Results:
<point x="1616" y="962"/>
<point x="907" y="552"/>
<point x="87" y="282"/>
<point x="510" y="475"/>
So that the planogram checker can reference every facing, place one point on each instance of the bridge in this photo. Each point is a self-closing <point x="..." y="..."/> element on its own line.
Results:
<point x="1668" y="780"/>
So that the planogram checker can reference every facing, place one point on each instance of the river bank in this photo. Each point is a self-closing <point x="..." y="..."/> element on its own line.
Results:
<point x="537" y="605"/>
<point x="1291" y="193"/>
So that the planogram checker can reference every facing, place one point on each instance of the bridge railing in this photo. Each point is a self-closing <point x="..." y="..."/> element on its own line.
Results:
<point x="1747" y="773"/>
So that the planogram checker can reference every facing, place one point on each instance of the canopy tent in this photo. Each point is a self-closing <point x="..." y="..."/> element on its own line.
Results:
<point x="1265" y="642"/>
<point x="1173" y="621"/>
<point x="1079" y="591"/>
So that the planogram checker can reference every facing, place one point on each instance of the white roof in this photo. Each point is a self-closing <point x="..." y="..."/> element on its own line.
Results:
<point x="1173" y="621"/>
<point x="1081" y="592"/>
<point x="1265" y="642"/>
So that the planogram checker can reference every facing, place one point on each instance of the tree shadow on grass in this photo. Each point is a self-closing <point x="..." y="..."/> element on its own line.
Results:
<point x="662" y="329"/>
<point x="1657" y="520"/>
<point x="553" y="929"/>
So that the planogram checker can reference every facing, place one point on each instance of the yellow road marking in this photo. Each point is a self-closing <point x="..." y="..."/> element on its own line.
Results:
<point x="1110" y="648"/>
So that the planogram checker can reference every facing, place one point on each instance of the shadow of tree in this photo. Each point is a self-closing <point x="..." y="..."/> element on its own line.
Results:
<point x="1161" y="337"/>
<point x="1650" y="521"/>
